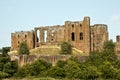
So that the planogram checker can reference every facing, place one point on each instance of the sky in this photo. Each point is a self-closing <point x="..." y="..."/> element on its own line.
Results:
<point x="24" y="15"/>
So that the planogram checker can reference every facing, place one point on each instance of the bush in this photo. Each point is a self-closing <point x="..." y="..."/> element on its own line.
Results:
<point x="3" y="75"/>
<point x="66" y="48"/>
<point x="23" y="48"/>
<point x="56" y="72"/>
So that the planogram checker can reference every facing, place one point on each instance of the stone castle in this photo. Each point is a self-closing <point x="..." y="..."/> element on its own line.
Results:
<point x="80" y="34"/>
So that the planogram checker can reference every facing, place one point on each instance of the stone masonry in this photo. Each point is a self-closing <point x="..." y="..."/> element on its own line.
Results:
<point x="80" y="34"/>
<point x="117" y="45"/>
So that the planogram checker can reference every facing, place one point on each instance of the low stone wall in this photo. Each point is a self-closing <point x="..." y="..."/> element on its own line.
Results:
<point x="28" y="59"/>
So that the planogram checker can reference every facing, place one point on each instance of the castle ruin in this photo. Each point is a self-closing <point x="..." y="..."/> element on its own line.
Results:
<point x="80" y="34"/>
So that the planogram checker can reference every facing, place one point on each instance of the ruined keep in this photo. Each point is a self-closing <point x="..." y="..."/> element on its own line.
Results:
<point x="80" y="34"/>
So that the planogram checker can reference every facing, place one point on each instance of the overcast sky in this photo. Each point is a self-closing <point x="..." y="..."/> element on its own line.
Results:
<point x="18" y="15"/>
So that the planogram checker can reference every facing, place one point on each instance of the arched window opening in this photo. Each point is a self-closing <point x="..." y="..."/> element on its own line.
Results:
<point x="73" y="36"/>
<point x="38" y="35"/>
<point x="72" y="25"/>
<point x="53" y="34"/>
<point x="25" y="36"/>
<point x="80" y="25"/>
<point x="45" y="36"/>
<point x="18" y="36"/>
<point x="18" y="42"/>
<point x="81" y="36"/>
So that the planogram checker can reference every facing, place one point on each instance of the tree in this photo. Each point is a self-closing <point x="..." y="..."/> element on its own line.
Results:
<point x="108" y="71"/>
<point x="3" y="75"/>
<point x="72" y="70"/>
<point x="21" y="72"/>
<point x="5" y="50"/>
<point x="95" y="58"/>
<point x="39" y="66"/>
<point x="11" y="67"/>
<point x="90" y="72"/>
<point x="109" y="45"/>
<point x="23" y="48"/>
<point x="56" y="72"/>
<point x="3" y="60"/>
<point x="66" y="48"/>
<point x="61" y="63"/>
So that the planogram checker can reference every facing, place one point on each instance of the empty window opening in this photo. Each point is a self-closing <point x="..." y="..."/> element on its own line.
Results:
<point x="45" y="36"/>
<point x="52" y="39"/>
<point x="18" y="42"/>
<point x="53" y="31"/>
<point x="73" y="36"/>
<point x="53" y="34"/>
<point x="80" y="25"/>
<point x="72" y="25"/>
<point x="81" y="36"/>
<point x="18" y="36"/>
<point x="25" y="36"/>
<point x="38" y="35"/>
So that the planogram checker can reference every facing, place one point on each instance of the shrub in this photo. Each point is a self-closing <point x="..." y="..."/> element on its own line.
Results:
<point x="66" y="48"/>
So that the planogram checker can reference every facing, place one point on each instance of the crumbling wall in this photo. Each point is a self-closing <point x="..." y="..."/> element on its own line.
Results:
<point x="28" y="59"/>
<point x="117" y="45"/>
<point x="49" y="35"/>
<point x="18" y="37"/>
<point x="99" y="34"/>
<point x="53" y="59"/>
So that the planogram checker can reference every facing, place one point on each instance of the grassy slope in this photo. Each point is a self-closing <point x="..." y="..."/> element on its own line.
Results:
<point x="51" y="50"/>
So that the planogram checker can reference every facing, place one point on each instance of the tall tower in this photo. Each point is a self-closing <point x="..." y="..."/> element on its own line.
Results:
<point x="78" y="34"/>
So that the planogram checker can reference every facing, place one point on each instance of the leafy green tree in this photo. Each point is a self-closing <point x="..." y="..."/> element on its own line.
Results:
<point x="117" y="64"/>
<point x="23" y="49"/>
<point x="95" y="58"/>
<point x="10" y="67"/>
<point x="56" y="72"/>
<point x="72" y="69"/>
<point x="66" y="48"/>
<point x="21" y="72"/>
<point x="109" y="55"/>
<point x="3" y="60"/>
<point x="3" y="75"/>
<point x="118" y="74"/>
<point x="61" y="63"/>
<point x="108" y="71"/>
<point x="90" y="72"/>
<point x="39" y="66"/>
<point x="5" y="50"/>
<point x="110" y="45"/>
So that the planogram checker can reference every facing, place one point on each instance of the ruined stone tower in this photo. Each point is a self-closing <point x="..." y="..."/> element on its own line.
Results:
<point x="117" y="45"/>
<point x="18" y="37"/>
<point x="80" y="34"/>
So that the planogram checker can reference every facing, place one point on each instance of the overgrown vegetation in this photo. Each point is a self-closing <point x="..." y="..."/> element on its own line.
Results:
<point x="100" y="65"/>
<point x="23" y="49"/>
<point x="7" y="67"/>
<point x="66" y="48"/>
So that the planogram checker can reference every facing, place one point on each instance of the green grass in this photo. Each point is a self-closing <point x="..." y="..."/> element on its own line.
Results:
<point x="51" y="50"/>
